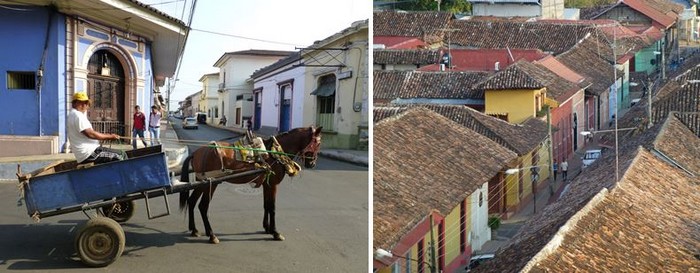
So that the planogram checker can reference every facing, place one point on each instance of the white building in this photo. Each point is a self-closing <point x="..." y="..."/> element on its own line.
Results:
<point x="235" y="86"/>
<point x="208" y="101"/>
<point x="545" y="9"/>
<point x="279" y="96"/>
<point x="324" y="85"/>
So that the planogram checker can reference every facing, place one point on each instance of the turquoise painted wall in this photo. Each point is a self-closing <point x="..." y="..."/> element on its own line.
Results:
<point x="643" y="58"/>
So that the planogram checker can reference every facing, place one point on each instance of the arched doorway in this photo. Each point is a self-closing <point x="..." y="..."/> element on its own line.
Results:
<point x="106" y="91"/>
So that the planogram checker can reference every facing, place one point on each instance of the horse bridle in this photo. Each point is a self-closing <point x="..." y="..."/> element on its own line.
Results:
<point x="313" y="147"/>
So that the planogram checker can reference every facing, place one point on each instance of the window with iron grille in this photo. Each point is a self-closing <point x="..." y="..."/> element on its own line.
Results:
<point x="21" y="80"/>
<point x="325" y="97"/>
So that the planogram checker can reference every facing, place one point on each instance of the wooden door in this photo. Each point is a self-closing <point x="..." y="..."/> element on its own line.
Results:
<point x="106" y="89"/>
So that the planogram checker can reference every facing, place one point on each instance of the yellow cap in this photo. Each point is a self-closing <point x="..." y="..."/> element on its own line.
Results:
<point x="80" y="96"/>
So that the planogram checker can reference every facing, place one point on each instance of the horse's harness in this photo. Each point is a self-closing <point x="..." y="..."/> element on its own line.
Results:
<point x="291" y="167"/>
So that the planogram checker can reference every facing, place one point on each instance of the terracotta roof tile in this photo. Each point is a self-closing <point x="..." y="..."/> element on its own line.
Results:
<point x="644" y="224"/>
<point x="586" y="59"/>
<point x="416" y="170"/>
<point x="560" y="69"/>
<point x="389" y="85"/>
<point x="514" y="77"/>
<point x="519" y="138"/>
<point x="398" y="42"/>
<point x="410" y="24"/>
<point x="680" y="143"/>
<point x="548" y="37"/>
<point x="623" y="224"/>
<point x="558" y="88"/>
<point x="406" y="56"/>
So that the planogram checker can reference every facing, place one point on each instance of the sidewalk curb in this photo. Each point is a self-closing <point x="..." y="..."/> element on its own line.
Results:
<point x="338" y="155"/>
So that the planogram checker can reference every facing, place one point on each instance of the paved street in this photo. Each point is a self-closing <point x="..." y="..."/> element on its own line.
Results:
<point x="322" y="214"/>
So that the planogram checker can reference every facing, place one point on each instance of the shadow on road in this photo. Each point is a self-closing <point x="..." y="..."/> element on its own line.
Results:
<point x="40" y="246"/>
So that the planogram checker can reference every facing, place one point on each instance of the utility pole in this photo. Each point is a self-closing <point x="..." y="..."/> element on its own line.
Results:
<point x="438" y="1"/>
<point x="663" y="59"/>
<point x="433" y="260"/>
<point x="617" y="162"/>
<point x="550" y="151"/>
<point x="650" y="88"/>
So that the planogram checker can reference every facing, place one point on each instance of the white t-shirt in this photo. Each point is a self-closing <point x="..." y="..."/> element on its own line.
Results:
<point x="154" y="120"/>
<point x="81" y="145"/>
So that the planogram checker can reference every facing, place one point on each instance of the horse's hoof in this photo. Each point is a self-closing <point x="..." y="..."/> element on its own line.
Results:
<point x="213" y="240"/>
<point x="195" y="233"/>
<point x="278" y="237"/>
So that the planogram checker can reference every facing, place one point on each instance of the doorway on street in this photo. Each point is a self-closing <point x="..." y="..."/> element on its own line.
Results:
<point x="105" y="85"/>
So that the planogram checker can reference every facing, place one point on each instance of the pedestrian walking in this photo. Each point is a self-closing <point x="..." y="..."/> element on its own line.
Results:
<point x="564" y="169"/>
<point x="154" y="125"/>
<point x="139" y="127"/>
<point x="554" y="169"/>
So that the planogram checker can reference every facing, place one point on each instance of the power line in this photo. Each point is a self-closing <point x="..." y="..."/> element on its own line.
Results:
<point x="243" y="37"/>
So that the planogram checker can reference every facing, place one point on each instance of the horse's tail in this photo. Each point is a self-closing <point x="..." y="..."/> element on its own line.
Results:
<point x="185" y="177"/>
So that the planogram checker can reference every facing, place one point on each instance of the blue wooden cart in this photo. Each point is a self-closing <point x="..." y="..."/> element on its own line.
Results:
<point x="109" y="189"/>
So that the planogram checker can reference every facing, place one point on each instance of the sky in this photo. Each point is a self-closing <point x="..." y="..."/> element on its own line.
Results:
<point x="285" y="23"/>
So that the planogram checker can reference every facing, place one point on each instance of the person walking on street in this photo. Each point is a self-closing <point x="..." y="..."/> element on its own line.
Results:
<point x="564" y="169"/>
<point x="84" y="141"/>
<point x="554" y="169"/>
<point x="154" y="125"/>
<point x="139" y="127"/>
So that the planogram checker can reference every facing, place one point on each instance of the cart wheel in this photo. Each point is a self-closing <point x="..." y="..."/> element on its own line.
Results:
<point x="100" y="242"/>
<point x="120" y="212"/>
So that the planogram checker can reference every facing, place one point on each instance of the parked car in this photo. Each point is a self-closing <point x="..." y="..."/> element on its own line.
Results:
<point x="476" y="260"/>
<point x="190" y="123"/>
<point x="589" y="157"/>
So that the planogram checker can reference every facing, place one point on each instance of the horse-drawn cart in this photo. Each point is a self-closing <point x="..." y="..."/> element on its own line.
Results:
<point x="109" y="189"/>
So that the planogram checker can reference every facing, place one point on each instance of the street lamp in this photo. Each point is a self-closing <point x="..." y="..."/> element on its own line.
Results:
<point x="534" y="177"/>
<point x="382" y="254"/>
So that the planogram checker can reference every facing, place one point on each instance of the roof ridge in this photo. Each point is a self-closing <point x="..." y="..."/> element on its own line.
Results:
<point x="555" y="242"/>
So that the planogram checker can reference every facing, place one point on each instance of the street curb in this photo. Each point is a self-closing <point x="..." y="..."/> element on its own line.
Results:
<point x="345" y="157"/>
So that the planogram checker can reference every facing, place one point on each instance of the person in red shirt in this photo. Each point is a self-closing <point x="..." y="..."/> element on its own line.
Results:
<point x="139" y="127"/>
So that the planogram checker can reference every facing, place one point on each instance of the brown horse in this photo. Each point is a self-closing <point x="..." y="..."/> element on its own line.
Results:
<point x="303" y="143"/>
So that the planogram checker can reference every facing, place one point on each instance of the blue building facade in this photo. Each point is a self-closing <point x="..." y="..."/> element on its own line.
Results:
<point x="47" y="56"/>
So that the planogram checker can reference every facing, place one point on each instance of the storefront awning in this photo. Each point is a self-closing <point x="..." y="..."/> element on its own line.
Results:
<point x="324" y="90"/>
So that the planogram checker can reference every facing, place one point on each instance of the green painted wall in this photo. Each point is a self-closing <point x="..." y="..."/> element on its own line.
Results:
<point x="642" y="60"/>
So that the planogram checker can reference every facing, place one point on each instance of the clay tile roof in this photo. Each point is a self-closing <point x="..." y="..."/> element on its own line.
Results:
<point x="389" y="85"/>
<point x="519" y="138"/>
<point x="395" y="42"/>
<point x="514" y="77"/>
<point x="585" y="59"/>
<point x="603" y="225"/>
<point x="560" y="69"/>
<point x="679" y="142"/>
<point x="679" y="95"/>
<point x="410" y="24"/>
<point x="558" y="88"/>
<point x="417" y="169"/>
<point x="549" y="37"/>
<point x="406" y="56"/>
<point x="667" y="6"/>
<point x="645" y="7"/>
<point x="621" y="232"/>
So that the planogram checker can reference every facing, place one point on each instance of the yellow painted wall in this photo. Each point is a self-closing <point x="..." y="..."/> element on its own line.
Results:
<point x="512" y="181"/>
<point x="519" y="104"/>
<point x="386" y="269"/>
<point x="452" y="235"/>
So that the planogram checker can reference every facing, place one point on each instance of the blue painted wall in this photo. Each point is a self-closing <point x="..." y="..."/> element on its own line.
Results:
<point x="24" y="31"/>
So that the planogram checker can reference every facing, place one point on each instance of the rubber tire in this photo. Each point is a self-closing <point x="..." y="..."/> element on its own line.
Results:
<point x="100" y="242"/>
<point x="124" y="213"/>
